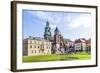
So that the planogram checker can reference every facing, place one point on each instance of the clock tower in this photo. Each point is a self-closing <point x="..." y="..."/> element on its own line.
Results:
<point x="47" y="33"/>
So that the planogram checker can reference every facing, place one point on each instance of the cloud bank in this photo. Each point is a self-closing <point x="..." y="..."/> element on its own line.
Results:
<point x="71" y="24"/>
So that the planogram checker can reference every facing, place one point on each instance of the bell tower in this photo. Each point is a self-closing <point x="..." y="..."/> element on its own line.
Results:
<point x="57" y="41"/>
<point x="47" y="33"/>
<point x="57" y="36"/>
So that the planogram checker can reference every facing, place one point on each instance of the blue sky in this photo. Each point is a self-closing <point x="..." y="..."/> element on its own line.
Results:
<point x="72" y="25"/>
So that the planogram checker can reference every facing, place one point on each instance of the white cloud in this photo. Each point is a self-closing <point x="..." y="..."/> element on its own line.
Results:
<point x="71" y="19"/>
<point x="83" y="20"/>
<point x="41" y="15"/>
<point x="52" y="26"/>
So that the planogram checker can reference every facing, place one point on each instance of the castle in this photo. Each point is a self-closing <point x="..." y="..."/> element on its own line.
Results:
<point x="51" y="44"/>
<point x="48" y="45"/>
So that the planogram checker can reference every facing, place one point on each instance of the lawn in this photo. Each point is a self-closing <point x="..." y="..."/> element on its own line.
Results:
<point x="55" y="57"/>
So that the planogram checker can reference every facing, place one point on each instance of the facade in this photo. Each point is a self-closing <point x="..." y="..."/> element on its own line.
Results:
<point x="69" y="46"/>
<point x="88" y="45"/>
<point x="80" y="45"/>
<point x="36" y="46"/>
<point x="58" y="42"/>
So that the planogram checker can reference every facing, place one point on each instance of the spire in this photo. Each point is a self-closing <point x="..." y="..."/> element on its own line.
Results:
<point x="47" y="32"/>
<point x="57" y="31"/>
<point x="47" y="23"/>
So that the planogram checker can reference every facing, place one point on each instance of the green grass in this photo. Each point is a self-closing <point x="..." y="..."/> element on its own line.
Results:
<point x="55" y="57"/>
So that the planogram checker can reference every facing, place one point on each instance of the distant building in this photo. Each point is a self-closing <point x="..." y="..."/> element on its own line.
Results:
<point x="69" y="46"/>
<point x="88" y="45"/>
<point x="68" y="42"/>
<point x="80" y="45"/>
<point x="36" y="46"/>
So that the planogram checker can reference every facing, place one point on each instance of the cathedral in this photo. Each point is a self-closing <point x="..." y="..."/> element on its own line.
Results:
<point x="49" y="44"/>
<point x="57" y="39"/>
<point x="53" y="44"/>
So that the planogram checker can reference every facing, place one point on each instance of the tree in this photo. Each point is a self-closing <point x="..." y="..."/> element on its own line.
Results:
<point x="81" y="47"/>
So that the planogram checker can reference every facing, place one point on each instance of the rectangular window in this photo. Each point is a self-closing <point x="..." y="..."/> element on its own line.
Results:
<point x="30" y="46"/>
<point x="35" y="51"/>
<point x="32" y="51"/>
<point x="39" y="51"/>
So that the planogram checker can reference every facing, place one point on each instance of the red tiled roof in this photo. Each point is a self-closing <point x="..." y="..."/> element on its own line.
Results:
<point x="80" y="40"/>
<point x="83" y="40"/>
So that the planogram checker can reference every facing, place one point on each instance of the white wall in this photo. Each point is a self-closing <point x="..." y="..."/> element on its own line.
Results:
<point x="5" y="37"/>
